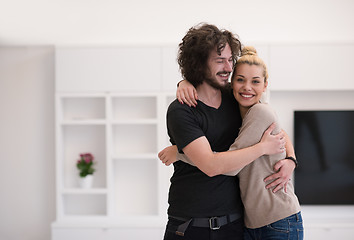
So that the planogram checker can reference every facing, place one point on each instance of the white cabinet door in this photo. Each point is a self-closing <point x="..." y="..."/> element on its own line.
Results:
<point x="135" y="233"/>
<point x="76" y="233"/>
<point x="110" y="233"/>
<point x="108" y="69"/>
<point x="311" y="66"/>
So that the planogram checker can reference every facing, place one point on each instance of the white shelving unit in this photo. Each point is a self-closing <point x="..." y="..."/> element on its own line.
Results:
<point x="124" y="132"/>
<point x="109" y="106"/>
<point x="133" y="125"/>
<point x="81" y="126"/>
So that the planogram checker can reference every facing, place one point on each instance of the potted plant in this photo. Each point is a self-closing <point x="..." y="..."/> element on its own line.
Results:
<point x="86" y="170"/>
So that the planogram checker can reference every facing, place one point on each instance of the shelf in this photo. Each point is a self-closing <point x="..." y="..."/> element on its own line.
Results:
<point x="85" y="191"/>
<point x="133" y="156"/>
<point x="135" y="121"/>
<point x="83" y="122"/>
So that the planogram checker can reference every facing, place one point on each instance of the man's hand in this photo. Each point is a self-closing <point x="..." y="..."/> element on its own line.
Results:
<point x="284" y="170"/>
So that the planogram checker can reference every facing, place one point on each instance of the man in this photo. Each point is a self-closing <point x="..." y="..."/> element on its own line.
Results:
<point x="203" y="204"/>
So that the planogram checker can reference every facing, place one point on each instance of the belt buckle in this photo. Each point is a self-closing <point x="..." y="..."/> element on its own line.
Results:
<point x="214" y="223"/>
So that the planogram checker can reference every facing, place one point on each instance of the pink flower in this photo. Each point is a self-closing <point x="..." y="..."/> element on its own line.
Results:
<point x="87" y="157"/>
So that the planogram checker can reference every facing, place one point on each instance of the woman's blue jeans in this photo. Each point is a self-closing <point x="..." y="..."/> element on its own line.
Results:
<point x="289" y="228"/>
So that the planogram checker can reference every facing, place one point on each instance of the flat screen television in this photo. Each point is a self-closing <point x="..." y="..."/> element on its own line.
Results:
<point x="324" y="147"/>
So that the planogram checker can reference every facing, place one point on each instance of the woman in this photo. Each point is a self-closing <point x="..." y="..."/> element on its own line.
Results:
<point x="268" y="215"/>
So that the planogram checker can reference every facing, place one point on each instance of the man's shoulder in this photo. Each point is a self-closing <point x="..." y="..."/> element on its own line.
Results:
<point x="175" y="105"/>
<point x="176" y="109"/>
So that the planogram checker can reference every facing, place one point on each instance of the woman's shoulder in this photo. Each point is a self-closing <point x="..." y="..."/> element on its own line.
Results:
<point x="261" y="108"/>
<point x="263" y="111"/>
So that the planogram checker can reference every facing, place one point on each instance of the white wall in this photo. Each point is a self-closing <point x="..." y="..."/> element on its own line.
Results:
<point x="154" y="22"/>
<point x="27" y="87"/>
<point x="27" y="160"/>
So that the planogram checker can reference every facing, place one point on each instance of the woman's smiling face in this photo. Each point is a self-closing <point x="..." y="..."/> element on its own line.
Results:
<point x="248" y="84"/>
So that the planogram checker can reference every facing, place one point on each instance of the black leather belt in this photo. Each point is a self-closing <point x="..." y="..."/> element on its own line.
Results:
<point x="214" y="223"/>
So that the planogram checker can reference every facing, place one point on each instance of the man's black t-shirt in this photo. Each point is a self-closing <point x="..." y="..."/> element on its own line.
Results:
<point x="193" y="193"/>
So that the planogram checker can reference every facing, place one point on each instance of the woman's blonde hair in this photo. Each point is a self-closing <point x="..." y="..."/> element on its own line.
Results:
<point x="249" y="56"/>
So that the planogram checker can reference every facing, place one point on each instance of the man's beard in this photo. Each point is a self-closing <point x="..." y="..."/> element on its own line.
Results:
<point x="215" y="84"/>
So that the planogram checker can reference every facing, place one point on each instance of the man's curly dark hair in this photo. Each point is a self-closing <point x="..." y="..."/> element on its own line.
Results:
<point x="196" y="46"/>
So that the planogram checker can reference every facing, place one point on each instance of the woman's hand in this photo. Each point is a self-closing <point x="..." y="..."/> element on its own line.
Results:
<point x="273" y="144"/>
<point x="186" y="93"/>
<point x="168" y="155"/>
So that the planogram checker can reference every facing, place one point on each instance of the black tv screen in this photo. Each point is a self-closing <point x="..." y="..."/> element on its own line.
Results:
<point x="324" y="147"/>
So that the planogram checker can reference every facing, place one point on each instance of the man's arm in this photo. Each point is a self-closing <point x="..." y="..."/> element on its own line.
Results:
<point x="170" y="155"/>
<point x="212" y="164"/>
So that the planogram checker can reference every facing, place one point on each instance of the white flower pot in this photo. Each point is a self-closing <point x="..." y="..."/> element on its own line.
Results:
<point x="86" y="182"/>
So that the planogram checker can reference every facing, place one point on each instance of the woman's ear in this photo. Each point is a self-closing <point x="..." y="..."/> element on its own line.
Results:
<point x="265" y="86"/>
